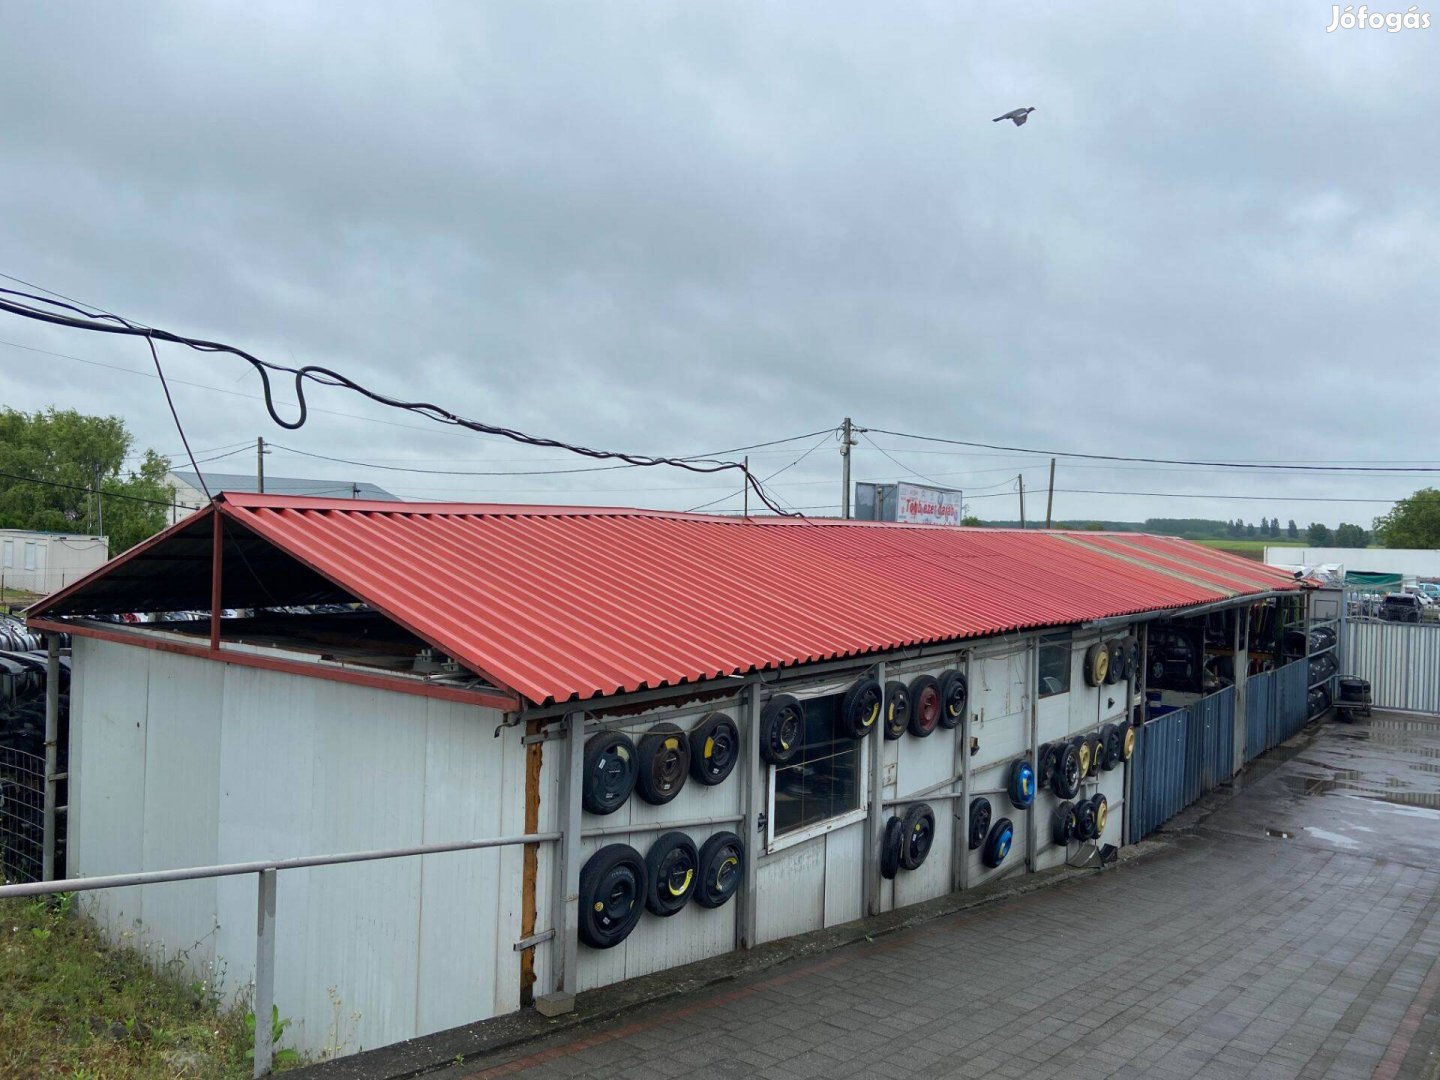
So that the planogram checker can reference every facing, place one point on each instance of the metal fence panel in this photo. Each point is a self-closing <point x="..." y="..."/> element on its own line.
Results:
<point x="1259" y="713"/>
<point x="22" y="815"/>
<point x="1400" y="660"/>
<point x="1158" y="791"/>
<point x="1292" y="702"/>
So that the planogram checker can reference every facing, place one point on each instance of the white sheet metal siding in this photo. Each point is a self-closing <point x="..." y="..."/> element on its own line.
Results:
<point x="1401" y="661"/>
<point x="180" y="761"/>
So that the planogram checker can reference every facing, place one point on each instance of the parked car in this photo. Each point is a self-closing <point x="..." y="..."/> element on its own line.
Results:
<point x="1401" y="607"/>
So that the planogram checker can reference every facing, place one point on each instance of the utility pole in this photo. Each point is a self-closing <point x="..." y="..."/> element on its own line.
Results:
<point x="260" y="464"/>
<point x="847" y="440"/>
<point x="99" y="505"/>
<point x="1050" y="498"/>
<point x="746" y="488"/>
<point x="1021" y="478"/>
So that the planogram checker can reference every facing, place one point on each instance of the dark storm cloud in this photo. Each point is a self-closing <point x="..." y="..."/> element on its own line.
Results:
<point x="677" y="229"/>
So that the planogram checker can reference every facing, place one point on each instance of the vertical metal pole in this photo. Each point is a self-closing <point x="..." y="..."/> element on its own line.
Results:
<point x="216" y="557"/>
<point x="260" y="464"/>
<point x="745" y="487"/>
<point x="845" y="469"/>
<point x="875" y="820"/>
<point x="1050" y="498"/>
<point x="264" y="972"/>
<point x="565" y="879"/>
<point x="52" y="740"/>
<point x="1021" y="478"/>
<point x="756" y="796"/>
<point x="1242" y="675"/>
<point x="1032" y="679"/>
<point x="963" y="847"/>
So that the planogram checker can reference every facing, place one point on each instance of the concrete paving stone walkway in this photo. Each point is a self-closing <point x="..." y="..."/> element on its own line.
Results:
<point x="1293" y="934"/>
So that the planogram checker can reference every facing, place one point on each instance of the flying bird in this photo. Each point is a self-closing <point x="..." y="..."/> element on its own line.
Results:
<point x="1018" y="115"/>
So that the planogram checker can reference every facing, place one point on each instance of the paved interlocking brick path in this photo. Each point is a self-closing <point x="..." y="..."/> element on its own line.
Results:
<point x="1256" y="946"/>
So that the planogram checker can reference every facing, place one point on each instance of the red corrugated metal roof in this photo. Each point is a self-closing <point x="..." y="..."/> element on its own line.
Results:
<point x="562" y="603"/>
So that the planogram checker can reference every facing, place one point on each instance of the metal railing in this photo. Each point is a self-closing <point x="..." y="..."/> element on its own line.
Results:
<point x="266" y="871"/>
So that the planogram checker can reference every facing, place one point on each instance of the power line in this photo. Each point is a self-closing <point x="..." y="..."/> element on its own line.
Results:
<point x="864" y="435"/>
<point x="1199" y="495"/>
<point x="1270" y="466"/>
<point x="91" y="490"/>
<point x="824" y="439"/>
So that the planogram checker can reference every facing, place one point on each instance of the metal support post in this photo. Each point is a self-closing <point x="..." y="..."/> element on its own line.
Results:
<point x="846" y="442"/>
<point x="52" y="741"/>
<point x="755" y="793"/>
<point x="1242" y="675"/>
<point x="565" y="879"/>
<point x="875" y="820"/>
<point x="1032" y="678"/>
<point x="260" y="464"/>
<point x="264" y="972"/>
<point x="217" y="554"/>
<point x="962" y="844"/>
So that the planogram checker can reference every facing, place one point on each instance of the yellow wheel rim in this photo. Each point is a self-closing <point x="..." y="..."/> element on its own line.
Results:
<point x="1129" y="743"/>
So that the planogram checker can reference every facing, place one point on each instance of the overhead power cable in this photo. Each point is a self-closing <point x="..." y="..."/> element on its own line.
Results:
<point x="90" y="490"/>
<point x="825" y="437"/>
<point x="75" y="316"/>
<point x="1266" y="466"/>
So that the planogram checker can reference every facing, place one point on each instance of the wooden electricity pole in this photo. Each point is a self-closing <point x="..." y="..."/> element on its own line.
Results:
<point x="1050" y="498"/>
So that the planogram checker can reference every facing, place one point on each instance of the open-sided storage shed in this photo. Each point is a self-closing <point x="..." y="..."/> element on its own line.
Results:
<point x="355" y="675"/>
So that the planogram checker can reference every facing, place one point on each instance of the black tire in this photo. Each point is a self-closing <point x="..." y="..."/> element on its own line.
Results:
<point x="611" y="768"/>
<point x="954" y="697"/>
<point x="1131" y="646"/>
<point x="782" y="729"/>
<point x="714" y="749"/>
<point x="979" y="821"/>
<point x="897" y="709"/>
<point x="1097" y="752"/>
<point x="925" y="707"/>
<point x="1062" y="823"/>
<point x="998" y="843"/>
<point x="664" y="764"/>
<point x="1045" y="760"/>
<point x="890" y="848"/>
<point x="1081" y="743"/>
<point x="1020" y="785"/>
<point x="1100" y="807"/>
<point x="917" y="830"/>
<point x="1114" y="745"/>
<point x="671" y="869"/>
<point x="1115" y="671"/>
<point x="1097" y="663"/>
<point x="1065" y="780"/>
<point x="1084" y="820"/>
<point x="722" y="866"/>
<point x="613" y="885"/>
<point x="860" y="711"/>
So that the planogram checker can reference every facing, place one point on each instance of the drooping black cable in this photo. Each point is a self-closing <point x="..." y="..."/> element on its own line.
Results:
<point x="154" y="355"/>
<point x="106" y="323"/>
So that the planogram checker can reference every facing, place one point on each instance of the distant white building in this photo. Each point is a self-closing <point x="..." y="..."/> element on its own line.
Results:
<point x="189" y="493"/>
<point x="41" y="562"/>
<point x="1411" y="564"/>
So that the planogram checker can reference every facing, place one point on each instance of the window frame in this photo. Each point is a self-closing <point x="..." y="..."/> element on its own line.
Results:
<point x="7" y="554"/>
<point x="789" y="839"/>
<point x="1053" y="640"/>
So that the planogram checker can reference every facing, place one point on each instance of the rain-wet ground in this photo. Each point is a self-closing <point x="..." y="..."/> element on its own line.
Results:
<point x="1369" y="787"/>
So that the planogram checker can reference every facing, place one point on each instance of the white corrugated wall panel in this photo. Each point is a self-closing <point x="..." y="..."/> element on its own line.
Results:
<point x="791" y="891"/>
<point x="1400" y="660"/>
<point x="844" y="874"/>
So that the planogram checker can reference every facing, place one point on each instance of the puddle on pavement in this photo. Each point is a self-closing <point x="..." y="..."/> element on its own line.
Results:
<point x="1350" y="782"/>
<point x="1280" y="833"/>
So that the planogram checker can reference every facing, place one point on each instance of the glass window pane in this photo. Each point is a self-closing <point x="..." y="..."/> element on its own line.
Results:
<point x="1053" y="670"/>
<point x="824" y="780"/>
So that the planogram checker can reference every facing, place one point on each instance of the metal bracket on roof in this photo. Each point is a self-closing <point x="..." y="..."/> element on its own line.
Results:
<point x="550" y="734"/>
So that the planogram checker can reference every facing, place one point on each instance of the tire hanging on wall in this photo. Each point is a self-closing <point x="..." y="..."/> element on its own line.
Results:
<point x="917" y="829"/>
<point x="1062" y="823"/>
<point x="714" y="749"/>
<point x="1045" y="760"/>
<point x="860" y="710"/>
<point x="671" y="868"/>
<point x="1115" y="670"/>
<point x="1097" y="664"/>
<point x="954" y="696"/>
<point x="890" y="848"/>
<point x="613" y="886"/>
<point x="1127" y="740"/>
<point x="998" y="842"/>
<point x="897" y="709"/>
<point x="1097" y="752"/>
<point x="782" y="729"/>
<point x="1114" y="744"/>
<point x="1065" y="780"/>
<point x="1100" y="807"/>
<point x="1081" y="744"/>
<point x="664" y="764"/>
<point x="979" y="823"/>
<point x="925" y="706"/>
<point x="722" y="866"/>
<point x="1130" y="644"/>
<point x="1021" y="784"/>
<point x="1085" y="820"/>
<point x="611" y="767"/>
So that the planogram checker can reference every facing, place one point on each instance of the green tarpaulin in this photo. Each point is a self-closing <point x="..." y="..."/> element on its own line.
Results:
<point x="1360" y="580"/>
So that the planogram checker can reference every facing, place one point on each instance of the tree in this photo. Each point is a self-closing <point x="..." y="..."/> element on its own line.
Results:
<point x="56" y="459"/>
<point x="974" y="522"/>
<point x="1093" y="526"/>
<point x="1317" y="535"/>
<point x="1274" y="530"/>
<point x="1250" y="530"/>
<point x="1351" y="536"/>
<point x="1412" y="523"/>
<point x="1292" y="531"/>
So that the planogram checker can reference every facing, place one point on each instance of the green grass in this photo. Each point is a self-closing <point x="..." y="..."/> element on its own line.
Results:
<point x="1250" y="549"/>
<point x="72" y="1006"/>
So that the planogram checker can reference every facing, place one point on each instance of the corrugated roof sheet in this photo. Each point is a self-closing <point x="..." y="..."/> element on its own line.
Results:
<point x="573" y="603"/>
<point x="561" y="603"/>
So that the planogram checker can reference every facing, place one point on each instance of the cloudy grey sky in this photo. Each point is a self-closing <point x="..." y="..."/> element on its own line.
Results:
<point x="675" y="228"/>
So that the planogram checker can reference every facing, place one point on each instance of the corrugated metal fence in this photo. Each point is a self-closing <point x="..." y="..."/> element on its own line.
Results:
<point x="1276" y="707"/>
<point x="1180" y="756"/>
<point x="1401" y="660"/>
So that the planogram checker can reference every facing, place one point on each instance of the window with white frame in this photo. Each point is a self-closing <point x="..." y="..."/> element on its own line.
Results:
<point x="1053" y="669"/>
<point x="826" y="781"/>
<point x="7" y="556"/>
<point x="29" y="555"/>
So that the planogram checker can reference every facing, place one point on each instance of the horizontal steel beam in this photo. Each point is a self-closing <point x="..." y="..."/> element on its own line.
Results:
<point x="662" y="826"/>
